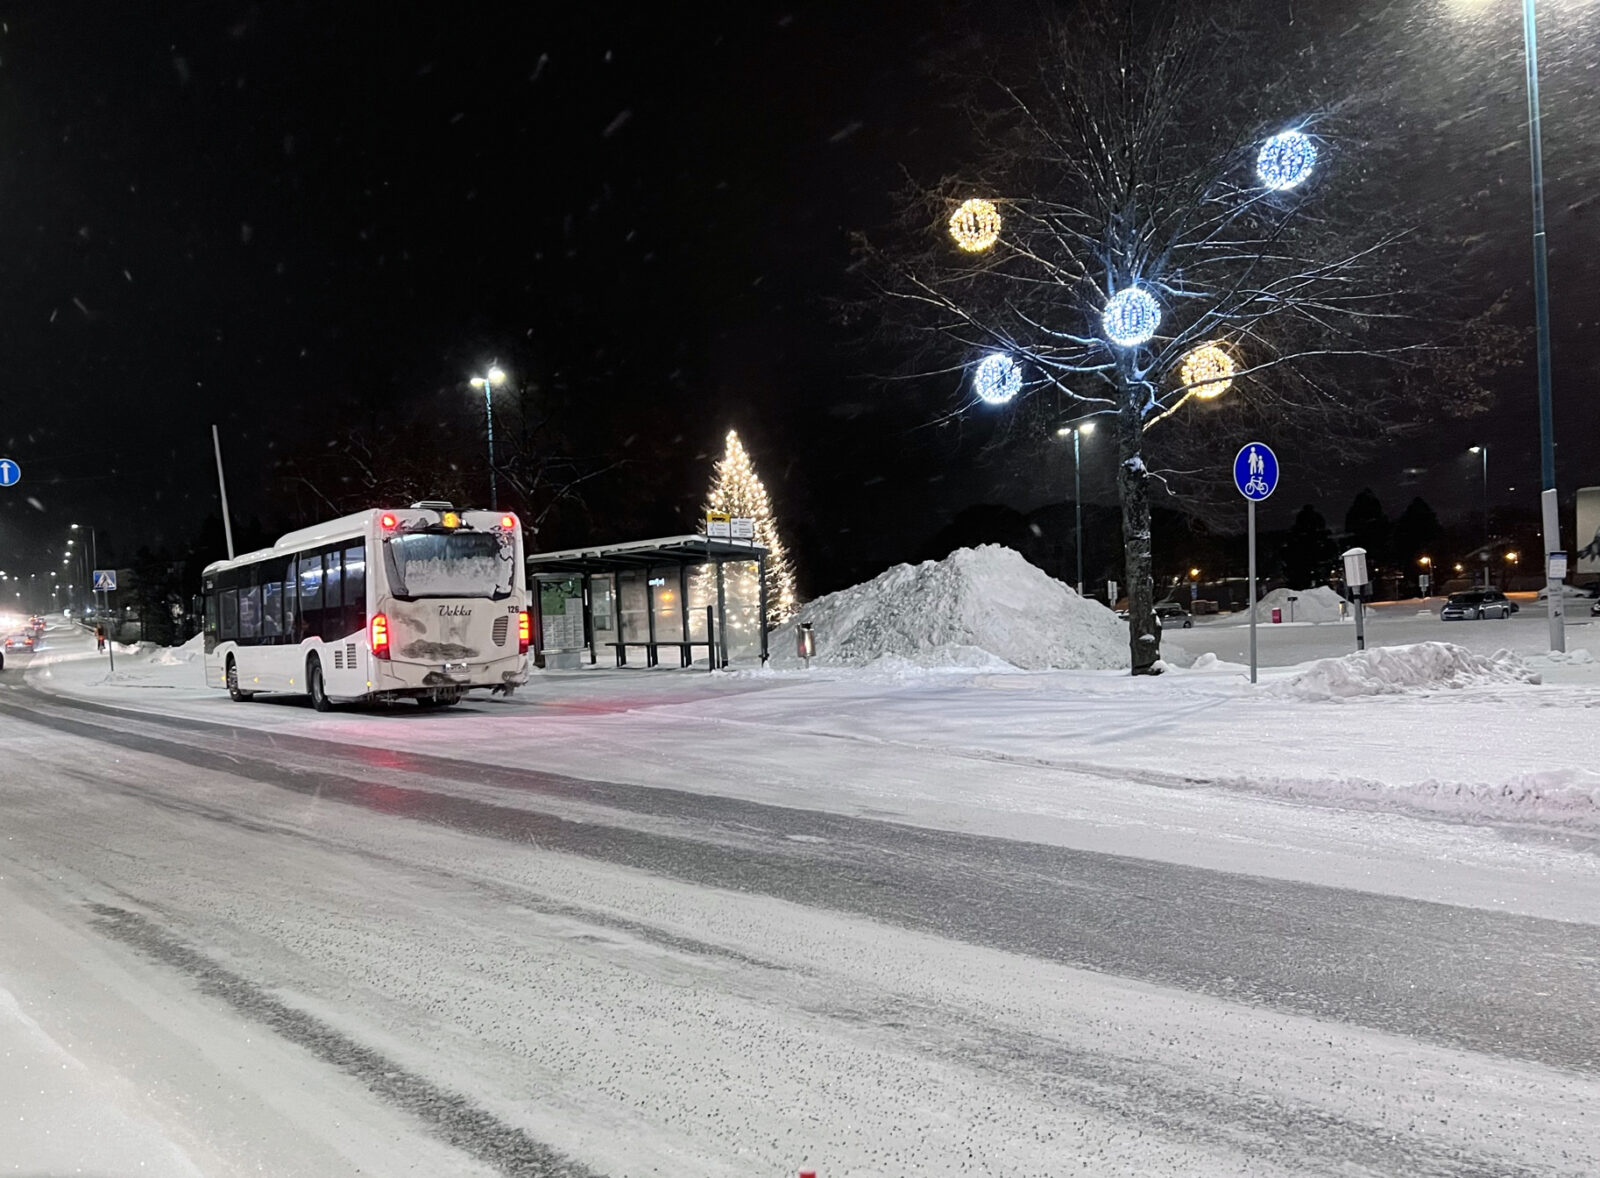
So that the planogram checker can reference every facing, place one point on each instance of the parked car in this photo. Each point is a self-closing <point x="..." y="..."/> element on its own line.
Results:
<point x="1476" y="604"/>
<point x="20" y="642"/>
<point x="1168" y="613"/>
<point x="1594" y="610"/>
<point x="1172" y="613"/>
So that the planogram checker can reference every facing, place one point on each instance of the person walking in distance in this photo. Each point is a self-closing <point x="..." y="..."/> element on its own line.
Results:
<point x="100" y="637"/>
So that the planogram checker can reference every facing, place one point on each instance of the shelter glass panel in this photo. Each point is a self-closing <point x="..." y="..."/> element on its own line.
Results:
<point x="635" y="610"/>
<point x="667" y="599"/>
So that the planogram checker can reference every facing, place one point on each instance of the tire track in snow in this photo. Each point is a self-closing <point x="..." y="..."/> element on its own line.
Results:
<point x="448" y="1115"/>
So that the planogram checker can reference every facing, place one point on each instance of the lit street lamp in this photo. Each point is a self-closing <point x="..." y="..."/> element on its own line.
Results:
<point x="1077" y="431"/>
<point x="1484" y="450"/>
<point x="493" y="379"/>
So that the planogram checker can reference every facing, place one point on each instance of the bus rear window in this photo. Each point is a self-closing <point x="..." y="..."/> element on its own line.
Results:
<point x="450" y="564"/>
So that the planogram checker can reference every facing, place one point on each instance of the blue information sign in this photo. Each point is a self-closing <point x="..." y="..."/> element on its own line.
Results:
<point x="10" y="473"/>
<point x="1255" y="471"/>
<point x="105" y="580"/>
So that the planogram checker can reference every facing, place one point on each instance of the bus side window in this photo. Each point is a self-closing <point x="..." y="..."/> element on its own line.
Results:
<point x="332" y="602"/>
<point x="272" y="601"/>
<point x="250" y="607"/>
<point x="355" y="588"/>
<point x="230" y="616"/>
<point x="310" y="595"/>
<point x="291" y="601"/>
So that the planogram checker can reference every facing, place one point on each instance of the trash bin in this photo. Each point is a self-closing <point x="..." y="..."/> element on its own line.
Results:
<point x="1277" y="616"/>
<point x="805" y="642"/>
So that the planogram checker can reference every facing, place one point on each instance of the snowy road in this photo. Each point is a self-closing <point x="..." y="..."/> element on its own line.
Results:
<point x="433" y="967"/>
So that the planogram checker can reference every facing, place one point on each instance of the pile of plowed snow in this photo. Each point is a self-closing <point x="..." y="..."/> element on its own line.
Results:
<point x="1311" y="605"/>
<point x="1393" y="670"/>
<point x="983" y="608"/>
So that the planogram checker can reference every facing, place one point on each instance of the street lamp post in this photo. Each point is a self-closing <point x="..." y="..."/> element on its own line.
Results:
<point x="1484" y="450"/>
<point x="94" y="563"/>
<point x="1541" y="307"/>
<point x="488" y="382"/>
<point x="1077" y="431"/>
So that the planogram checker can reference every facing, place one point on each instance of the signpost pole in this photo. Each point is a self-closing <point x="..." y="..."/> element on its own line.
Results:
<point x="1252" y="503"/>
<point x="1255" y="473"/>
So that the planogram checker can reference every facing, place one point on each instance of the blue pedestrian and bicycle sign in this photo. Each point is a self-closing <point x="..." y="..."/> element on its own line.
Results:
<point x="1255" y="471"/>
<point x="105" y="580"/>
<point x="10" y="473"/>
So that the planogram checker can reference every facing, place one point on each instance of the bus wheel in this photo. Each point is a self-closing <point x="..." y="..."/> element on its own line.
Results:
<point x="233" y="682"/>
<point x="319" y="692"/>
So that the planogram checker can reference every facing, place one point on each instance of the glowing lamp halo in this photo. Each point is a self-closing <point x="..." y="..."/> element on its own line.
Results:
<point x="1286" y="160"/>
<point x="1207" y="371"/>
<point x="975" y="226"/>
<point x="1131" y="317"/>
<point x="998" y="378"/>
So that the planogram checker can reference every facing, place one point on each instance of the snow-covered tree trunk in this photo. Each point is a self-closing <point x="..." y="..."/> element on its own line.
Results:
<point x="1133" y="489"/>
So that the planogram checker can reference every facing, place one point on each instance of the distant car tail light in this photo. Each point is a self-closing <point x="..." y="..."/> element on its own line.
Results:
<point x="524" y="632"/>
<point x="380" y="636"/>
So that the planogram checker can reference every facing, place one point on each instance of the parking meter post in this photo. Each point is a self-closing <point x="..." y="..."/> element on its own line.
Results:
<point x="1252" y="598"/>
<point x="1356" y="580"/>
<point x="1555" y="597"/>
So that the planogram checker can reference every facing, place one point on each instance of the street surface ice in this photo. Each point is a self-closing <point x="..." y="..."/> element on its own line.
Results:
<point x="868" y="922"/>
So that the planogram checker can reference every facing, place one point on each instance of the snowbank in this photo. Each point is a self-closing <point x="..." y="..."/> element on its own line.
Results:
<point x="1312" y="605"/>
<point x="176" y="656"/>
<point x="978" y="608"/>
<point x="1394" y="670"/>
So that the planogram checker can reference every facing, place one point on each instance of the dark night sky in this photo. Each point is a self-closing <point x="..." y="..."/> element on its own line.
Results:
<point x="246" y="212"/>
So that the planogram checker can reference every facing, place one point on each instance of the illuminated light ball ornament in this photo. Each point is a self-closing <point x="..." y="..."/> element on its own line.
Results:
<point x="975" y="226"/>
<point x="1207" y="371"/>
<point x="1286" y="160"/>
<point x="998" y="379"/>
<point x="1131" y="317"/>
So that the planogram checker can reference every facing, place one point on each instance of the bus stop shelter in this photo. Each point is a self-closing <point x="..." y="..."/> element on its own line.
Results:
<point x="670" y="601"/>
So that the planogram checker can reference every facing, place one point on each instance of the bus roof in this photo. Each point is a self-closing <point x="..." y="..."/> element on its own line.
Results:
<point x="346" y="527"/>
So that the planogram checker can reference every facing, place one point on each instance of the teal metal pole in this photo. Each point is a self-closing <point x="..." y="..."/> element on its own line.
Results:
<point x="1541" y="309"/>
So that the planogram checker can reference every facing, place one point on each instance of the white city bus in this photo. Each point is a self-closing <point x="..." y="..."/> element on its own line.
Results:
<point x="424" y="603"/>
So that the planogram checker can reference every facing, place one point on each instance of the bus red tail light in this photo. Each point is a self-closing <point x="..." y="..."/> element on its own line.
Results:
<point x="508" y="522"/>
<point x="388" y="523"/>
<point x="379" y="636"/>
<point x="524" y="632"/>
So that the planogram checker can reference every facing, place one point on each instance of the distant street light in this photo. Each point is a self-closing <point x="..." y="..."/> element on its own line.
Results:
<point x="488" y="382"/>
<point x="1077" y="431"/>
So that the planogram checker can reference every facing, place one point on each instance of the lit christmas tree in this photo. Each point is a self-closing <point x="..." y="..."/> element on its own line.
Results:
<point x="737" y="490"/>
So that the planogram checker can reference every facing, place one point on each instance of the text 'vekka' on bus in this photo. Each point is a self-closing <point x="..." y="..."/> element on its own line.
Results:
<point x="423" y="602"/>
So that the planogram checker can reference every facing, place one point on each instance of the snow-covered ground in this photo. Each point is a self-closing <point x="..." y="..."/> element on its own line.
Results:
<point x="643" y="1024"/>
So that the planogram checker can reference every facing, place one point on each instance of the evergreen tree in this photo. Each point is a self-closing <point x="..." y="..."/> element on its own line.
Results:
<point x="1308" y="550"/>
<point x="1416" y="534"/>
<point x="738" y="490"/>
<point x="1367" y="526"/>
